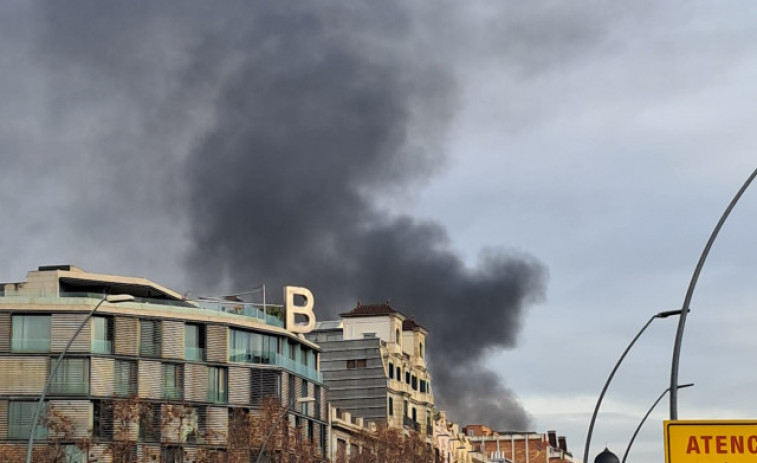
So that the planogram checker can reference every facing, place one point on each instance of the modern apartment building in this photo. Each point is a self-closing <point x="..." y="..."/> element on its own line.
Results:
<point x="208" y="359"/>
<point x="374" y="366"/>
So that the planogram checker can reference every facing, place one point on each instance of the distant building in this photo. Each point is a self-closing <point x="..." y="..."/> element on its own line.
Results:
<point x="209" y="357"/>
<point x="374" y="366"/>
<point x="518" y="447"/>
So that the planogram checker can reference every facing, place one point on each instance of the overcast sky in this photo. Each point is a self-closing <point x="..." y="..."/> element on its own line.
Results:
<point x="594" y="146"/>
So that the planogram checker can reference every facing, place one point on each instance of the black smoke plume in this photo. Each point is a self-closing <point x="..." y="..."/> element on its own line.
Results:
<point x="275" y="134"/>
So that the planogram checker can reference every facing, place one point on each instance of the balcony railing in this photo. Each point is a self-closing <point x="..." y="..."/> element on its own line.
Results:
<point x="30" y="345"/>
<point x="269" y="314"/>
<point x="101" y="346"/>
<point x="69" y="388"/>
<point x="171" y="392"/>
<point x="194" y="353"/>
<point x="274" y="358"/>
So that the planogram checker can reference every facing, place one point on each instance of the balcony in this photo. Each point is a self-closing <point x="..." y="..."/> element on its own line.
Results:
<point x="269" y="314"/>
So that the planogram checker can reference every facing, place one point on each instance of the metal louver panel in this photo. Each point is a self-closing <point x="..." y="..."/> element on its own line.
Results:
<point x="195" y="382"/>
<point x="126" y="336"/>
<point x="149" y="379"/>
<point x="77" y="411"/>
<point x="264" y="384"/>
<point x="3" y="418"/>
<point x="217" y="420"/>
<point x="5" y="332"/>
<point x="23" y="375"/>
<point x="217" y="343"/>
<point x="239" y="385"/>
<point x="63" y="327"/>
<point x="173" y="340"/>
<point x="150" y="338"/>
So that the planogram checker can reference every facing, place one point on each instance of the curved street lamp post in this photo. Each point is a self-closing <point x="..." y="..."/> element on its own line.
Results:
<point x="643" y="420"/>
<point x="664" y="314"/>
<point x="113" y="299"/>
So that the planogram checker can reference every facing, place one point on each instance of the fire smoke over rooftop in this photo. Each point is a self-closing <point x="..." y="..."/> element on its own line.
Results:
<point x="275" y="133"/>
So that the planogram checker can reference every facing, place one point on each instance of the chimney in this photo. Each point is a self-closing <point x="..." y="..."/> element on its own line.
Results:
<point x="563" y="444"/>
<point x="552" y="439"/>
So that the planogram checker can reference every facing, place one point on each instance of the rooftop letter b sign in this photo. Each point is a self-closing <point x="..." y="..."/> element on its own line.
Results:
<point x="292" y="309"/>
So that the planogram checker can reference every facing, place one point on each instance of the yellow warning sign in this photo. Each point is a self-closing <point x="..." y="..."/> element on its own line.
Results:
<point x="710" y="441"/>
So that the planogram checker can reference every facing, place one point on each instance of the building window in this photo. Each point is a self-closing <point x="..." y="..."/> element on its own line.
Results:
<point x="194" y="430"/>
<point x="291" y="389"/>
<point x="149" y="423"/>
<point x="397" y="336"/>
<point x="173" y="380"/>
<point x="125" y="378"/>
<point x="414" y="382"/>
<point x="415" y="415"/>
<point x="407" y="377"/>
<point x="304" y="393"/>
<point x="102" y="335"/>
<point x="391" y="406"/>
<point x="250" y="347"/>
<point x="150" y="338"/>
<point x="30" y="333"/>
<point x="317" y="403"/>
<point x="20" y="421"/>
<point x="391" y="371"/>
<point x="194" y="342"/>
<point x="73" y="454"/>
<point x="423" y="386"/>
<point x="359" y="363"/>
<point x="420" y="349"/>
<point x="399" y="374"/>
<point x="71" y="377"/>
<point x="217" y="385"/>
<point x="171" y="454"/>
<point x="102" y="420"/>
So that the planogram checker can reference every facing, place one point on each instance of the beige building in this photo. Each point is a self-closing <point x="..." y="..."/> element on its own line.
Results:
<point x="206" y="358"/>
<point x="519" y="447"/>
<point x="374" y="365"/>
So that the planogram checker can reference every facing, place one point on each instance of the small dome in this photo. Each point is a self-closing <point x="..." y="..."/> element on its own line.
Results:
<point x="606" y="457"/>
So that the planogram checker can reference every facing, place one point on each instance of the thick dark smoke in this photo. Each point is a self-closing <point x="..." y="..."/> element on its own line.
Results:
<point x="313" y="126"/>
<point x="274" y="132"/>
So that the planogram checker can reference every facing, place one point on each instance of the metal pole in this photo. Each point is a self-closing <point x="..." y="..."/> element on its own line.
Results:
<point x="690" y="293"/>
<point x="638" y="428"/>
<point x="665" y="314"/>
<point x="54" y="368"/>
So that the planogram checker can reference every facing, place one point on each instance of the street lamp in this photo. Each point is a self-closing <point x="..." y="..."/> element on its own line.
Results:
<point x="690" y="292"/>
<point x="301" y="400"/>
<point x="638" y="428"/>
<point x="113" y="299"/>
<point x="664" y="314"/>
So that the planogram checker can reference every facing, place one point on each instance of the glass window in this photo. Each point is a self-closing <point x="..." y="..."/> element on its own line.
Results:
<point x="172" y="454"/>
<point x="102" y="335"/>
<point x="149" y="423"/>
<point x="173" y="381"/>
<point x="317" y="403"/>
<point x="263" y="384"/>
<point x="31" y="333"/>
<point x="251" y="347"/>
<point x="125" y="378"/>
<point x="20" y="421"/>
<point x="102" y="420"/>
<point x="217" y="384"/>
<point x="150" y="338"/>
<point x="391" y="406"/>
<point x="71" y="377"/>
<point x="194" y="342"/>
<point x="391" y="371"/>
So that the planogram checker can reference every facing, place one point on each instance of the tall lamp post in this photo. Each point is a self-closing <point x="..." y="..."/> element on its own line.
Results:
<point x="113" y="299"/>
<point x="641" y="423"/>
<point x="690" y="292"/>
<point x="301" y="400"/>
<point x="664" y="314"/>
